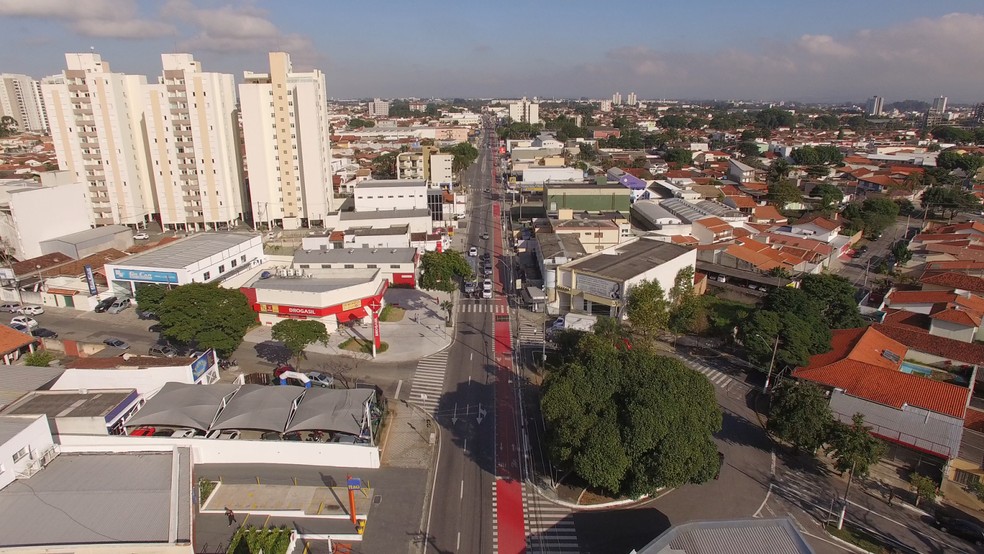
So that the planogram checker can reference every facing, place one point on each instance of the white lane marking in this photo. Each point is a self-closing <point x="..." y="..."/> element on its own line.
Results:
<point x="399" y="386"/>
<point x="461" y="493"/>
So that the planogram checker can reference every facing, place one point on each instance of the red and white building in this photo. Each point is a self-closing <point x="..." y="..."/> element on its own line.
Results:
<point x="397" y="265"/>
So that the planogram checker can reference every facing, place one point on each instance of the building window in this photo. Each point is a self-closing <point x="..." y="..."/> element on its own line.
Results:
<point x="233" y="263"/>
<point x="20" y="454"/>
<point x="206" y="276"/>
<point x="305" y="266"/>
<point x="349" y="266"/>
<point x="243" y="258"/>
<point x="394" y="266"/>
<point x="325" y="266"/>
<point x="371" y="266"/>
<point x="221" y="269"/>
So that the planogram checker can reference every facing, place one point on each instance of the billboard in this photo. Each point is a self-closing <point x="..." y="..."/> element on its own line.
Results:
<point x="90" y="280"/>
<point x="597" y="286"/>
<point x="202" y="364"/>
<point x="167" y="277"/>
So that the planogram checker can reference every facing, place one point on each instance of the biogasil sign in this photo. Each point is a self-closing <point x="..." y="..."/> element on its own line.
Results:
<point x="296" y="310"/>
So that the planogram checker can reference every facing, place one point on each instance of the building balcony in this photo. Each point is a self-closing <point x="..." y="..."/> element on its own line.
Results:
<point x="105" y="221"/>
<point x="98" y="189"/>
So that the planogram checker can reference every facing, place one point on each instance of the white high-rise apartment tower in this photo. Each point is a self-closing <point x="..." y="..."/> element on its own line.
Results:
<point x="525" y="111"/>
<point x="379" y="108"/>
<point x="875" y="106"/>
<point x="632" y="99"/>
<point x="192" y="135"/>
<point x="285" y="128"/>
<point x="20" y="98"/>
<point x="617" y="99"/>
<point x="96" y="126"/>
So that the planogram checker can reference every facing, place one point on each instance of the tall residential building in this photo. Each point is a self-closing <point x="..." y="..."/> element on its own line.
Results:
<point x="632" y="99"/>
<point x="979" y="114"/>
<point x="20" y="98"/>
<point x="606" y="106"/>
<point x="525" y="111"/>
<point x="96" y="126"/>
<point x="875" y="106"/>
<point x="379" y="108"/>
<point x="192" y="135"/>
<point x="288" y="156"/>
<point x="428" y="164"/>
<point x="617" y="99"/>
<point x="934" y="115"/>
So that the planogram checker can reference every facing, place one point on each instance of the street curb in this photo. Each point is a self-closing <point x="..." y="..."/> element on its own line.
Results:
<point x="846" y="544"/>
<point x="588" y="508"/>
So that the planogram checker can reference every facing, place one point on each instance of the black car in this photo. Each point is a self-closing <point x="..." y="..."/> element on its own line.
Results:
<point x="104" y="305"/>
<point x="967" y="530"/>
<point x="43" y="333"/>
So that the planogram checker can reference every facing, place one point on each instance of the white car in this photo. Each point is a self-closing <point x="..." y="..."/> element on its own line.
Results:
<point x="473" y="251"/>
<point x="487" y="284"/>
<point x="223" y="434"/>
<point x="486" y="293"/>
<point x="141" y="236"/>
<point x="12" y="308"/>
<point x="29" y="310"/>
<point x="28" y="322"/>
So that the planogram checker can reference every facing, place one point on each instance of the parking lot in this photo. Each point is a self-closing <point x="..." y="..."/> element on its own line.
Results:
<point x="90" y="327"/>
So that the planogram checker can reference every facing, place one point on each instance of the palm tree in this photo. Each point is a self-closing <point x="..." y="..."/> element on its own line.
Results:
<point x="448" y="306"/>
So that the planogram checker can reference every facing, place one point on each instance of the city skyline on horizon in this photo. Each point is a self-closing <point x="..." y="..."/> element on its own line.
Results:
<point x="795" y="53"/>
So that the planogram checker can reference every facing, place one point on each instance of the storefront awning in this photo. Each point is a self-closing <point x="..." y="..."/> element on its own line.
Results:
<point x="348" y="315"/>
<point x="63" y="292"/>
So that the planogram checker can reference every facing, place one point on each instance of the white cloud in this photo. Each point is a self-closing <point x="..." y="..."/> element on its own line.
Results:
<point x="921" y="58"/>
<point x="238" y="29"/>
<point x="91" y="18"/>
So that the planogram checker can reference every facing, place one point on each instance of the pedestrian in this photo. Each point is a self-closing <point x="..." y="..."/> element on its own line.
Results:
<point x="230" y="515"/>
<point x="891" y="495"/>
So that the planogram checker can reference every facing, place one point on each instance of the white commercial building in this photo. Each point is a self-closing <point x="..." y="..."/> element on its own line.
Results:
<point x="192" y="130"/>
<point x="31" y="213"/>
<point x="145" y="374"/>
<point x="288" y="156"/>
<point x="525" y="111"/>
<point x="441" y="170"/>
<point x="20" y="98"/>
<point x="379" y="108"/>
<point x="390" y="195"/>
<point x="96" y="127"/>
<point x="202" y="258"/>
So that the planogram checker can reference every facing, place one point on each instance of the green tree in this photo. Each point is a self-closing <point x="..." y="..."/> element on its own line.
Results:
<point x="800" y="415"/>
<point x="8" y="126"/>
<point x="207" y="316"/>
<point x="784" y="192"/>
<point x="878" y="214"/>
<point x="647" y="309"/>
<point x="924" y="487"/>
<point x="830" y="195"/>
<point x="448" y="307"/>
<point x="853" y="448"/>
<point x="796" y="319"/>
<point x="749" y="149"/>
<point x="778" y="171"/>
<point x="150" y="296"/>
<point x="680" y="156"/>
<point x="442" y="270"/>
<point x="773" y="118"/>
<point x="683" y="285"/>
<point x="39" y="358"/>
<point x="946" y="133"/>
<point x="384" y="166"/>
<point x="297" y="334"/>
<point x="901" y="253"/>
<point x="834" y="295"/>
<point x="806" y="155"/>
<point x="630" y="422"/>
<point x="359" y="123"/>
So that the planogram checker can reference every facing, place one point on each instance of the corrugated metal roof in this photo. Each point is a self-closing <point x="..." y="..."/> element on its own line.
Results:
<point x="749" y="536"/>
<point x="19" y="380"/>
<point x="92" y="499"/>
<point x="186" y="252"/>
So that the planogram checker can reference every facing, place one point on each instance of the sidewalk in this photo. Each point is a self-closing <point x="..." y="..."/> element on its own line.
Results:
<point x="420" y="333"/>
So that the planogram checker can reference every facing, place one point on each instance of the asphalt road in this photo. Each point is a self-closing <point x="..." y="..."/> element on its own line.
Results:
<point x="461" y="513"/>
<point x="92" y="327"/>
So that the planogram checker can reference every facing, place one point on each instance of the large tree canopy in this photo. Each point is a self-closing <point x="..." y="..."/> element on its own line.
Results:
<point x="207" y="316"/>
<point x="298" y="334"/>
<point x="441" y="270"/>
<point x="800" y="415"/>
<point x="835" y="297"/>
<point x="647" y="309"/>
<point x="629" y="421"/>
<point x="793" y="317"/>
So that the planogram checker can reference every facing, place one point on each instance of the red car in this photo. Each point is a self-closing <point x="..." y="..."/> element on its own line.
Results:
<point x="143" y="432"/>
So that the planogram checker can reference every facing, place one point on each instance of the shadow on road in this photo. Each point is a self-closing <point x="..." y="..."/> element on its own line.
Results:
<point x="618" y="530"/>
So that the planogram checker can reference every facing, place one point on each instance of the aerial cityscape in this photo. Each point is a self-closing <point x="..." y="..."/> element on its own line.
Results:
<point x="305" y="277"/>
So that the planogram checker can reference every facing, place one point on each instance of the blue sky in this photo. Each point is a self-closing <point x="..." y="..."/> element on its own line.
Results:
<point x="814" y="51"/>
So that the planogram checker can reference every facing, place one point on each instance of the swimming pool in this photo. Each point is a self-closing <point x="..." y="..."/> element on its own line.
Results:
<point x="915" y="369"/>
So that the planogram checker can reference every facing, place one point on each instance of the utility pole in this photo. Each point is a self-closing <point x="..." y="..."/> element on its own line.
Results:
<point x="768" y="376"/>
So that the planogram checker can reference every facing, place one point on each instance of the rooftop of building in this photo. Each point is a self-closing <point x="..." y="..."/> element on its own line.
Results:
<point x="82" y="237"/>
<point x="127" y="361"/>
<point x="19" y="379"/>
<point x="11" y="426"/>
<point x="321" y="280"/>
<point x="355" y="256"/>
<point x="92" y="403"/>
<point x="383" y="214"/>
<point x="389" y="183"/>
<point x="630" y="259"/>
<point x="81" y="499"/>
<point x="775" y="536"/>
<point x="185" y="252"/>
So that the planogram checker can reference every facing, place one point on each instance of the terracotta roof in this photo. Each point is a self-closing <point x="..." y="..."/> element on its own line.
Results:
<point x="905" y="318"/>
<point x="950" y="349"/>
<point x="77" y="267"/>
<point x="683" y="239"/>
<point x="857" y="364"/>
<point x="26" y="267"/>
<point x="971" y="301"/>
<point x="714" y="224"/>
<point x="974" y="419"/>
<point x="881" y="180"/>
<point x="821" y="222"/>
<point x="954" y="265"/>
<point x="743" y="201"/>
<point x="958" y="316"/>
<point x="769" y="213"/>
<point x="11" y="340"/>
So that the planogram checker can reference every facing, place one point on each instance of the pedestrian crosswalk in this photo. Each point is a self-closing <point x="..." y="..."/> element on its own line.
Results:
<point x="482" y="308"/>
<point x="530" y="333"/>
<point x="428" y="381"/>
<point x="549" y="527"/>
<point x="716" y="378"/>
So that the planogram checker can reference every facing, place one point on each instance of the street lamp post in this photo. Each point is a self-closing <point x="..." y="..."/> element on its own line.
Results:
<point x="772" y="364"/>
<point x="374" y="307"/>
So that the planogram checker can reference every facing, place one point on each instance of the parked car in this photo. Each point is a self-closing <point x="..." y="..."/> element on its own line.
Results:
<point x="473" y="251"/>
<point x="104" y="304"/>
<point x="223" y="434"/>
<point x="143" y="432"/>
<point x="487" y="271"/>
<point x="29" y="310"/>
<point x="119" y="306"/>
<point x="487" y="284"/>
<point x="469" y="287"/>
<point x="345" y="439"/>
<point x="141" y="236"/>
<point x="486" y="293"/>
<point x="165" y="350"/>
<point x="21" y="328"/>
<point x="485" y="236"/>
<point x="43" y="333"/>
<point x="184" y="433"/>
<point x="116" y="343"/>
<point x="967" y="530"/>
<point x="321" y="380"/>
<point x="28" y="322"/>
<point x="12" y="308"/>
